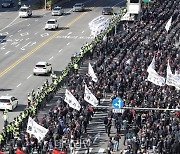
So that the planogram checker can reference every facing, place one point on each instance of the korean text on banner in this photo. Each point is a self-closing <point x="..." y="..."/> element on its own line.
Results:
<point x="89" y="97"/>
<point x="71" y="100"/>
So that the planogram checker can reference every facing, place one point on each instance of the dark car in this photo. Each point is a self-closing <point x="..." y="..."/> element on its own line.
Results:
<point x="107" y="11"/>
<point x="7" y="3"/>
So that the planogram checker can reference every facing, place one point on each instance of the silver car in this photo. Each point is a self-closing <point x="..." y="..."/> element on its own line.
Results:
<point x="57" y="11"/>
<point x="78" y="7"/>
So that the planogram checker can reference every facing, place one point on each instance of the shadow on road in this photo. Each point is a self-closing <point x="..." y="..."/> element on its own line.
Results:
<point x="5" y="89"/>
<point x="36" y="16"/>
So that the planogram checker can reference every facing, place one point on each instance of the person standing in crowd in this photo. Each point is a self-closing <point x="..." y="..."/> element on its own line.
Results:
<point x="117" y="137"/>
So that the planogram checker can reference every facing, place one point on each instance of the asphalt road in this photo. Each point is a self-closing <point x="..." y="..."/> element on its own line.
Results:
<point x="24" y="42"/>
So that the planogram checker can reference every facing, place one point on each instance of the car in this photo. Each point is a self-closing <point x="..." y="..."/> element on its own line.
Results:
<point x="25" y="11"/>
<point x="8" y="102"/>
<point x="107" y="11"/>
<point x="78" y="7"/>
<point x="51" y="24"/>
<point x="42" y="68"/>
<point x="7" y="3"/>
<point x="57" y="11"/>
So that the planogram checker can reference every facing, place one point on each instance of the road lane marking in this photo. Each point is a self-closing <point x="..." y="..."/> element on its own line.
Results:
<point x="10" y="35"/>
<point x="40" y="46"/>
<point x="51" y="58"/>
<point x="33" y="43"/>
<point x="101" y="151"/>
<point x="28" y="25"/>
<point x="23" y="48"/>
<point x="68" y="43"/>
<point x="83" y="31"/>
<point x="60" y="50"/>
<point x="7" y="52"/>
<point x="69" y="33"/>
<point x="18" y="85"/>
<point x="10" y="24"/>
<point x="29" y="76"/>
<point x="24" y="34"/>
<point x="27" y="39"/>
<point x="19" y="30"/>
<point x="45" y="34"/>
<point x="90" y="149"/>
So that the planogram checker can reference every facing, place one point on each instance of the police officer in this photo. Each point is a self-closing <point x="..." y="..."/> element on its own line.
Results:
<point x="76" y="67"/>
<point x="53" y="76"/>
<point x="29" y="99"/>
<point x="5" y="117"/>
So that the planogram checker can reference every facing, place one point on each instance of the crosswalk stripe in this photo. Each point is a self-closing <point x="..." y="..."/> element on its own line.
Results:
<point x="101" y="151"/>
<point x="90" y="149"/>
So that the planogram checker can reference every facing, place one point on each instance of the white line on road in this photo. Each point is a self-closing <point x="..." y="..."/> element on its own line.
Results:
<point x="25" y="46"/>
<point x="101" y="151"/>
<point x="90" y="149"/>
<point x="51" y="58"/>
<point x="27" y="39"/>
<point x="18" y="85"/>
<point x="33" y="43"/>
<point x="28" y="25"/>
<point x="68" y="43"/>
<point x="69" y="33"/>
<point x="29" y="76"/>
<point x="7" y="52"/>
<point x="60" y="50"/>
<point x="17" y="45"/>
<point x="83" y="31"/>
<point x="9" y="24"/>
<point x="10" y="35"/>
<point x="19" y="30"/>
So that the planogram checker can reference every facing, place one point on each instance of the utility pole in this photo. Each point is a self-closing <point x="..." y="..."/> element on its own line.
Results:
<point x="45" y="2"/>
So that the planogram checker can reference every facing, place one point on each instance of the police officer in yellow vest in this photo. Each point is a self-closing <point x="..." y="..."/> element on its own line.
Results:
<point x="76" y="67"/>
<point x="5" y="117"/>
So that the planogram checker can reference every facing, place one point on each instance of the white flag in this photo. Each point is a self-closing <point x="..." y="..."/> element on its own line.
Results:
<point x="155" y="78"/>
<point x="91" y="73"/>
<point x="30" y="126"/>
<point x="151" y="67"/>
<point x="89" y="97"/>
<point x="35" y="129"/>
<point x="71" y="100"/>
<point x="39" y="131"/>
<point x="168" y="25"/>
<point x="172" y="79"/>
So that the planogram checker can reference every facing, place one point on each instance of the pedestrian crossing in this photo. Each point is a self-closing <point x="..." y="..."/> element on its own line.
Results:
<point x="91" y="151"/>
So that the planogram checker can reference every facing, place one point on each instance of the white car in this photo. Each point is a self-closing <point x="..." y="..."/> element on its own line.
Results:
<point x="42" y="68"/>
<point x="51" y="24"/>
<point x="78" y="7"/>
<point x="57" y="11"/>
<point x="25" y="11"/>
<point x="8" y="102"/>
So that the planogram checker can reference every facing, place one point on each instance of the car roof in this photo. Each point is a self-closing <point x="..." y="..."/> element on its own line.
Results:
<point x="5" y="97"/>
<point x="41" y="63"/>
<point x="58" y="7"/>
<point x="52" y="20"/>
<point x="24" y="7"/>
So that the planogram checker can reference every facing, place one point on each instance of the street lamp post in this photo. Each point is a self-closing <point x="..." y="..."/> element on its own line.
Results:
<point x="45" y="4"/>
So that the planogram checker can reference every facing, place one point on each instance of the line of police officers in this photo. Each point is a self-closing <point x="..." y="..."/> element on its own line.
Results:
<point x="37" y="100"/>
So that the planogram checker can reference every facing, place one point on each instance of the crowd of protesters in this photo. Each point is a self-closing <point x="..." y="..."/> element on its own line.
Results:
<point x="121" y="68"/>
